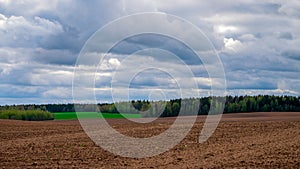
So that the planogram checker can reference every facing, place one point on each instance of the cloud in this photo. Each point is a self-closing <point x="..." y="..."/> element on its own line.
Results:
<point x="58" y="93"/>
<point x="290" y="8"/>
<point x="285" y="35"/>
<point x="27" y="7"/>
<point x="17" y="31"/>
<point x="257" y="41"/>
<point x="232" y="45"/>
<point x="292" y="54"/>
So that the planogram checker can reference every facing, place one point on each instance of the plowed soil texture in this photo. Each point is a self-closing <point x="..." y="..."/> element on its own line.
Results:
<point x="241" y="140"/>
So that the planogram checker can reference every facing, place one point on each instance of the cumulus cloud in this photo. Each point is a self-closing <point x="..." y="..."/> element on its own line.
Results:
<point x="232" y="45"/>
<point x="17" y="31"/>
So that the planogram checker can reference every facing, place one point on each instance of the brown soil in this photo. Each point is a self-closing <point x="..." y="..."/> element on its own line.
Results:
<point x="245" y="140"/>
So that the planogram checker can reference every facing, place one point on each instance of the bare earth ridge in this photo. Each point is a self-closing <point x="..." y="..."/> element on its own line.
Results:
<point x="243" y="140"/>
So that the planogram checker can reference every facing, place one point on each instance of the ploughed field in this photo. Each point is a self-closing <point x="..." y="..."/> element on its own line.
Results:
<point x="243" y="140"/>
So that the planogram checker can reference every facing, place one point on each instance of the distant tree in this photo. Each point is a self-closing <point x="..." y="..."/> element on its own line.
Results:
<point x="175" y="107"/>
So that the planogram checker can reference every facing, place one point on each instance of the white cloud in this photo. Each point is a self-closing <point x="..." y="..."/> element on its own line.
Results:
<point x="222" y="29"/>
<point x="59" y="92"/>
<point x="232" y="45"/>
<point x="37" y="26"/>
<point x="134" y="6"/>
<point x="114" y="62"/>
<point x="252" y="92"/>
<point x="247" y="37"/>
<point x="4" y="69"/>
<point x="19" y="31"/>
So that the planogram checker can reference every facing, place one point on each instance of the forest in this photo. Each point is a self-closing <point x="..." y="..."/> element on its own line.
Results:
<point x="233" y="104"/>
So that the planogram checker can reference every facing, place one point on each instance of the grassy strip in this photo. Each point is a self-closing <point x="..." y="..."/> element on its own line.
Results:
<point x="30" y="115"/>
<point x="91" y="115"/>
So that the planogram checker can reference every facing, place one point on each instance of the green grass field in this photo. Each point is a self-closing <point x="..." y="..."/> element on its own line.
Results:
<point x="91" y="115"/>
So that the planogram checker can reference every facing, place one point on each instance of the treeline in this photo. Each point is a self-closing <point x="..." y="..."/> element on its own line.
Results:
<point x="265" y="103"/>
<point x="30" y="115"/>
<point x="200" y="106"/>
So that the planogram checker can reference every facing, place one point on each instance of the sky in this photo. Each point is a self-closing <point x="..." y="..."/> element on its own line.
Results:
<point x="257" y="42"/>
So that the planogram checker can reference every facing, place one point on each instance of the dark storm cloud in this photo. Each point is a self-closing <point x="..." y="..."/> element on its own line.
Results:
<point x="145" y="41"/>
<point x="292" y="54"/>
